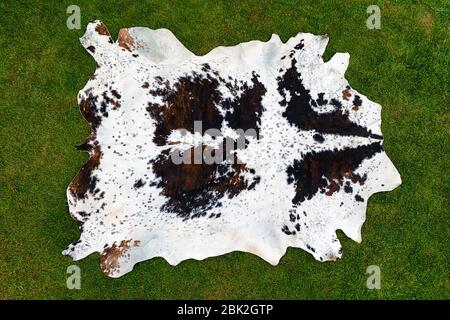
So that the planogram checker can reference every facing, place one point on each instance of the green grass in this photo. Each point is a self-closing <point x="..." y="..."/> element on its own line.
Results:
<point x="404" y="67"/>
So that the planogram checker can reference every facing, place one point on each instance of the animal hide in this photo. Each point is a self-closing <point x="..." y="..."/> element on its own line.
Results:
<point x="314" y="159"/>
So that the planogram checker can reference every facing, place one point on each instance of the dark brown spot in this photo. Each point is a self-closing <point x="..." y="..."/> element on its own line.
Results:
<point x="245" y="111"/>
<point x="357" y="102"/>
<point x="299" y="45"/>
<point x="138" y="184"/>
<point x="84" y="181"/>
<point x="300" y="113"/>
<point x="346" y="94"/>
<point x="318" y="137"/>
<point x="320" y="100"/>
<point x="327" y="170"/>
<point x="88" y="108"/>
<point x="191" y="99"/>
<point x="193" y="189"/>
<point x="116" y="94"/>
<point x="348" y="189"/>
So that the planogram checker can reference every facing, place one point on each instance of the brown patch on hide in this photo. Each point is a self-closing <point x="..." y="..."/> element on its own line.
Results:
<point x="299" y="110"/>
<point x="336" y="184"/>
<point x="191" y="99"/>
<point x="115" y="104"/>
<point x="327" y="170"/>
<point x="333" y="187"/>
<point x="356" y="178"/>
<point x="245" y="111"/>
<point x="125" y="40"/>
<point x="102" y="30"/>
<point x="84" y="181"/>
<point x="109" y="103"/>
<point x="346" y="94"/>
<point x="196" y="97"/>
<point x="110" y="257"/>
<point x="192" y="189"/>
<point x="116" y="94"/>
<point x="88" y="108"/>
<point x="357" y="102"/>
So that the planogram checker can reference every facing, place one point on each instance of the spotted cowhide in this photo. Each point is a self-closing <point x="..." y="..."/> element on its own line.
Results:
<point x="316" y="158"/>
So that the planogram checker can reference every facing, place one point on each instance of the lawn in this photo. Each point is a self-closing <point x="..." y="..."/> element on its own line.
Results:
<point x="403" y="66"/>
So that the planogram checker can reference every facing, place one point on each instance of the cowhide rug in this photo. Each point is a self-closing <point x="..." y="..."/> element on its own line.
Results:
<point x="256" y="147"/>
